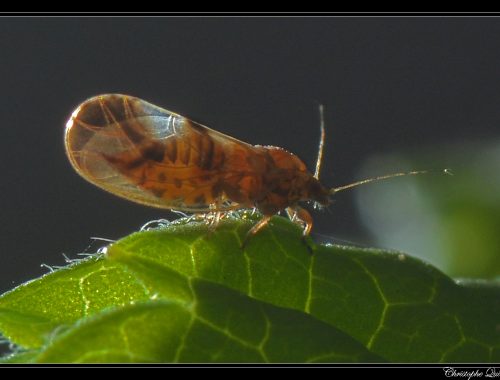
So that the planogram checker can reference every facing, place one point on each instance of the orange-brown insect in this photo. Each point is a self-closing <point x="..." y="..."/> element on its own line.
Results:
<point x="156" y="157"/>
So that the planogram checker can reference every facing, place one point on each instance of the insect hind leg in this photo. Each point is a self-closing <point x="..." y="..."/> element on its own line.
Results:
<point x="213" y="220"/>
<point x="216" y="214"/>
<point x="256" y="228"/>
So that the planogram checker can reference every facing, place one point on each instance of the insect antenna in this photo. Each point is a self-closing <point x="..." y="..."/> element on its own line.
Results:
<point x="321" y="141"/>
<point x="383" y="177"/>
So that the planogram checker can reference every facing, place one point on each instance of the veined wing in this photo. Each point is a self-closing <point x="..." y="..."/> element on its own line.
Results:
<point x="152" y="156"/>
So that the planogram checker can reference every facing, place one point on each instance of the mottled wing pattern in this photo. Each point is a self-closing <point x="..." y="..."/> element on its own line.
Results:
<point x="152" y="156"/>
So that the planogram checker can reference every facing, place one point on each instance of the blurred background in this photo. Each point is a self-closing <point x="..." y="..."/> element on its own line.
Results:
<point x="400" y="94"/>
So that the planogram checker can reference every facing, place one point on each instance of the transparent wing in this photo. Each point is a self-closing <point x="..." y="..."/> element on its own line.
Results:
<point x="152" y="156"/>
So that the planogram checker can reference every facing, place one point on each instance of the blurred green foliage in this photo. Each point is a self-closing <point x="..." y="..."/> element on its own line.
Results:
<point x="452" y="222"/>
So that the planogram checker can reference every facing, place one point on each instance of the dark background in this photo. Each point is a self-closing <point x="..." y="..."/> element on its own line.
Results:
<point x="388" y="84"/>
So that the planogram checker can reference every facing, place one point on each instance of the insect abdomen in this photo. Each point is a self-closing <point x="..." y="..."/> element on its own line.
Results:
<point x="181" y="169"/>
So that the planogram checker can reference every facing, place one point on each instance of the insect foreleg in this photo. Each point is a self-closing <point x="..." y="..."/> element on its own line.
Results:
<point x="301" y="216"/>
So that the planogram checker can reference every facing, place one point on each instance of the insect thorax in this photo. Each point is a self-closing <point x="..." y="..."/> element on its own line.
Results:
<point x="287" y="182"/>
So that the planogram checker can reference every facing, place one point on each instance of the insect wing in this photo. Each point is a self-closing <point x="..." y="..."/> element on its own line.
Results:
<point x="146" y="154"/>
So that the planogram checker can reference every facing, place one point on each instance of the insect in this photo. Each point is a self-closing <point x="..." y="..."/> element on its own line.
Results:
<point x="155" y="157"/>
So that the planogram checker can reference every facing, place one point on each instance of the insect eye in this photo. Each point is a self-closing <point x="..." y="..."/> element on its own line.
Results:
<point x="318" y="193"/>
<point x="314" y="187"/>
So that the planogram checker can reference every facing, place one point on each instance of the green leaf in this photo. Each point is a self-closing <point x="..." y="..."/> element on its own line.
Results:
<point x="221" y="326"/>
<point x="30" y="312"/>
<point x="361" y="300"/>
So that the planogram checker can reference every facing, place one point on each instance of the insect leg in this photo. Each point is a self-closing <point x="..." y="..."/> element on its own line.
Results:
<point x="301" y="216"/>
<point x="217" y="213"/>
<point x="256" y="228"/>
<point x="213" y="217"/>
<point x="290" y="212"/>
<point x="213" y="220"/>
